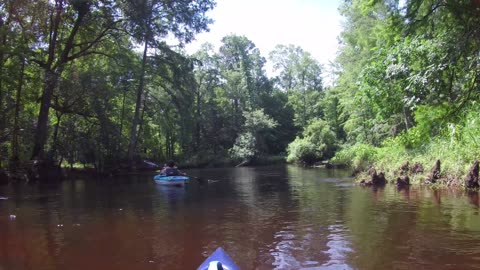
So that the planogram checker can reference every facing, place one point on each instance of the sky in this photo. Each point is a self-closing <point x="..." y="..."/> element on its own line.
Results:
<point x="314" y="25"/>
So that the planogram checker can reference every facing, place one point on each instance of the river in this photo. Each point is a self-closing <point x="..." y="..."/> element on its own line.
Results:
<point x="282" y="217"/>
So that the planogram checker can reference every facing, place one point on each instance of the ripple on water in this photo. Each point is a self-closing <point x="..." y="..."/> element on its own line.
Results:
<point x="338" y="246"/>
<point x="310" y="246"/>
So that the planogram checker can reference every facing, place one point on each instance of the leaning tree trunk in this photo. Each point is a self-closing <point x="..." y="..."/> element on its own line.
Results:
<point x="138" y="104"/>
<point x="53" y="70"/>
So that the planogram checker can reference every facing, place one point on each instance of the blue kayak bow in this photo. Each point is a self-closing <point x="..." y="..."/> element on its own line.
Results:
<point x="218" y="260"/>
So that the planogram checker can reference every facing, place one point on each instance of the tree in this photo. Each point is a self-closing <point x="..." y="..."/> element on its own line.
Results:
<point x="301" y="77"/>
<point x="152" y="20"/>
<point x="370" y="26"/>
<point x="19" y="29"/>
<point x="277" y="106"/>
<point x="207" y="78"/>
<point x="175" y="82"/>
<point x="74" y="29"/>
<point x="239" y="54"/>
<point x="247" y="144"/>
<point x="395" y="58"/>
<point x="318" y="142"/>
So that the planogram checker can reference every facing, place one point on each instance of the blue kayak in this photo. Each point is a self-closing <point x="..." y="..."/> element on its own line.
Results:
<point x="176" y="180"/>
<point x="218" y="260"/>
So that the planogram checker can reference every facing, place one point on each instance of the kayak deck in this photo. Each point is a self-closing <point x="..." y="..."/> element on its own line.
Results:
<point x="219" y="259"/>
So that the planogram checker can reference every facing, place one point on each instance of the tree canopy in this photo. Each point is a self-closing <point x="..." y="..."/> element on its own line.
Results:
<point x="95" y="82"/>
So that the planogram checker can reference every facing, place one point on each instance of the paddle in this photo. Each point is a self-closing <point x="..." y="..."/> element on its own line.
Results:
<point x="200" y="180"/>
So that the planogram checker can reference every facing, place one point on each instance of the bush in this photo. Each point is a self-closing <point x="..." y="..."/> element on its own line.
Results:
<point x="244" y="147"/>
<point x="358" y="157"/>
<point x="320" y="134"/>
<point x="302" y="150"/>
<point x="318" y="143"/>
<point x="430" y="122"/>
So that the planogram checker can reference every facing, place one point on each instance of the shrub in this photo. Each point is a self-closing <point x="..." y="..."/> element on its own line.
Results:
<point x="318" y="143"/>
<point x="320" y="134"/>
<point x="303" y="150"/>
<point x="244" y="147"/>
<point x="359" y="156"/>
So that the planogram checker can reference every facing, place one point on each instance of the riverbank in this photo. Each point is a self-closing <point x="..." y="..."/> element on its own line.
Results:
<point x="31" y="171"/>
<point x="431" y="165"/>
<point x="224" y="162"/>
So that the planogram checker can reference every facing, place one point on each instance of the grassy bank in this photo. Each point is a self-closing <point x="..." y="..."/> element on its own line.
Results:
<point x="456" y="146"/>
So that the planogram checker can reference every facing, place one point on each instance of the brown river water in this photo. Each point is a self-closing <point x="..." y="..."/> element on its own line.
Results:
<point x="282" y="217"/>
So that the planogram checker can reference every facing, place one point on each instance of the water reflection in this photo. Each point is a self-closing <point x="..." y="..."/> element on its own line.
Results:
<point x="338" y="247"/>
<point x="310" y="237"/>
<point x="473" y="198"/>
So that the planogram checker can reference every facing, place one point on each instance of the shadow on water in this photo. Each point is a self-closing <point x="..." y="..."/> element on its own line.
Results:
<point x="281" y="217"/>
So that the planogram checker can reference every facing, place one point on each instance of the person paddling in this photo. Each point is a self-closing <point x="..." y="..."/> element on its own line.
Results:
<point x="171" y="170"/>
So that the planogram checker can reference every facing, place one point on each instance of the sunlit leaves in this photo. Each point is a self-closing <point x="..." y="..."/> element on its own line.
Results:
<point x="151" y="20"/>
<point x="318" y="142"/>
<point x="300" y="75"/>
<point x="257" y="120"/>
<point x="245" y="146"/>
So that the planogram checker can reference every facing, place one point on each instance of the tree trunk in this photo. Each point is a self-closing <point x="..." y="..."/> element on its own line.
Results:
<point x="3" y="24"/>
<point x="55" y="137"/>
<point x="16" y="128"/>
<point x="236" y="121"/>
<point x="406" y="118"/>
<point x="196" y="133"/>
<point x="53" y="69"/>
<point x="123" y="113"/>
<point x="138" y="104"/>
<point x="2" y="114"/>
<point x="41" y="132"/>
<point x="304" y="109"/>
<point x="140" y="124"/>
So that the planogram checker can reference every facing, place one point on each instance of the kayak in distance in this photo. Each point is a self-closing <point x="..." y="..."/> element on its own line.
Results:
<point x="174" y="180"/>
<point x="218" y="260"/>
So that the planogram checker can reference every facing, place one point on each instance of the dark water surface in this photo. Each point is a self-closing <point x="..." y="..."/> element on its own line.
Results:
<point x="265" y="218"/>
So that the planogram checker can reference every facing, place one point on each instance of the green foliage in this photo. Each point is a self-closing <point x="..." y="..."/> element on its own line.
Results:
<point x="300" y="76"/>
<point x="318" y="142"/>
<point x="455" y="145"/>
<point x="359" y="156"/>
<point x="465" y="136"/>
<point x="306" y="105"/>
<point x="320" y="133"/>
<point x="153" y="19"/>
<point x="430" y="121"/>
<point x="407" y="84"/>
<point x="247" y="144"/>
<point x="244" y="147"/>
<point x="276" y="105"/>
<point x="298" y="70"/>
<point x="303" y="150"/>
<point x="333" y="112"/>
<point x="238" y="56"/>
<point x="257" y="120"/>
